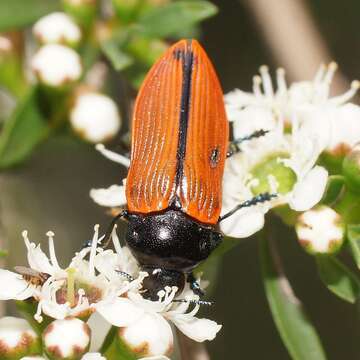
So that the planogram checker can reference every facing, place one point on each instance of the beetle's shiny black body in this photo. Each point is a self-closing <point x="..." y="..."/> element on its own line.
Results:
<point x="170" y="241"/>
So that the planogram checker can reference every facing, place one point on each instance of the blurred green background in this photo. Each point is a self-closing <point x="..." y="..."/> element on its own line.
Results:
<point x="50" y="191"/>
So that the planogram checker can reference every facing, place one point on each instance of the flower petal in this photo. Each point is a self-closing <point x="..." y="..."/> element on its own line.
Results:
<point x="93" y="356"/>
<point x="119" y="312"/>
<point x="112" y="196"/>
<point x="13" y="286"/>
<point x="151" y="333"/>
<point x="99" y="329"/>
<point x="243" y="223"/>
<point x="196" y="329"/>
<point x="309" y="191"/>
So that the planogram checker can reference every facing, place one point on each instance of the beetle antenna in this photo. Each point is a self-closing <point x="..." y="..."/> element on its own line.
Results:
<point x="196" y="302"/>
<point x="125" y="275"/>
<point x="254" y="201"/>
<point x="234" y="145"/>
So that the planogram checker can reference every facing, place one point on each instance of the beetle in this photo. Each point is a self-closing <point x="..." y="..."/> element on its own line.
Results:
<point x="180" y="139"/>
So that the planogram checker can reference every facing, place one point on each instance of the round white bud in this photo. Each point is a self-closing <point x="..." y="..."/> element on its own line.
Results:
<point x="66" y="339"/>
<point x="17" y="339"/>
<point x="320" y="230"/>
<point x="56" y="65"/>
<point x="95" y="117"/>
<point x="57" y="28"/>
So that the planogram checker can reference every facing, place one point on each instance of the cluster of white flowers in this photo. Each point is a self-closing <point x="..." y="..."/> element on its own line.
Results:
<point x="301" y="121"/>
<point x="93" y="116"/>
<point x="95" y="287"/>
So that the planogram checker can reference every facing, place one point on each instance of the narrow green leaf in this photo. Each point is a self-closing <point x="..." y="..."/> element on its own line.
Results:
<point x="171" y="18"/>
<point x="118" y="58"/>
<point x="19" y="13"/>
<point x="334" y="188"/>
<point x="114" y="348"/>
<point x="23" y="131"/>
<point x="338" y="278"/>
<point x="297" y="332"/>
<point x="353" y="235"/>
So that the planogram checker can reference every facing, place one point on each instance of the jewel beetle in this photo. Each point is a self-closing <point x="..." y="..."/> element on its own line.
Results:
<point x="174" y="185"/>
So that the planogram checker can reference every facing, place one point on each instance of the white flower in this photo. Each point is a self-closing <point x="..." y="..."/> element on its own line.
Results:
<point x="56" y="65"/>
<point x="95" y="117"/>
<point x="279" y="163"/>
<point x="66" y="339"/>
<point x="17" y="338"/>
<point x="328" y="118"/>
<point x="57" y="27"/>
<point x="320" y="230"/>
<point x="114" y="195"/>
<point x="144" y="324"/>
<point x="74" y="291"/>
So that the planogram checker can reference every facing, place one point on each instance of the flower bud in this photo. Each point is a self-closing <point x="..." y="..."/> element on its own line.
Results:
<point x="56" y="65"/>
<point x="83" y="11"/>
<point x="66" y="339"/>
<point x="320" y="230"/>
<point x="95" y="117"/>
<point x="148" y="336"/>
<point x="351" y="169"/>
<point x="57" y="28"/>
<point x="17" y="339"/>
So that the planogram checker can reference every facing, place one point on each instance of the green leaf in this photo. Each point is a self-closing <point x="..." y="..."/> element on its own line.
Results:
<point x="19" y="13"/>
<point x="338" y="278"/>
<point x="118" y="58"/>
<point x="334" y="188"/>
<point x="23" y="131"/>
<point x="171" y="18"/>
<point x="353" y="235"/>
<point x="297" y="332"/>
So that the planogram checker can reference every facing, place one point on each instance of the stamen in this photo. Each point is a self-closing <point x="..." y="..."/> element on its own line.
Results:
<point x="28" y="244"/>
<point x="329" y="75"/>
<point x="118" y="158"/>
<point x="342" y="99"/>
<point x="53" y="258"/>
<point x="256" y="86"/>
<point x="93" y="250"/>
<point x="37" y="315"/>
<point x="116" y="240"/>
<point x="266" y="80"/>
<point x="281" y="82"/>
<point x="320" y="74"/>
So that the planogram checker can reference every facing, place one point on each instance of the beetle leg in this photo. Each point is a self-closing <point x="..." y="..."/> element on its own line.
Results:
<point x="125" y="275"/>
<point x="197" y="302"/>
<point x="255" y="200"/>
<point x="194" y="285"/>
<point x="234" y="146"/>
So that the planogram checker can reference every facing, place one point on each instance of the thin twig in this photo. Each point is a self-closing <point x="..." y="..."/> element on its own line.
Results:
<point x="191" y="350"/>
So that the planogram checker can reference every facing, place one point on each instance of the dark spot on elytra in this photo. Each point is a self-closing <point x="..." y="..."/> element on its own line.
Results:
<point x="214" y="157"/>
<point x="178" y="54"/>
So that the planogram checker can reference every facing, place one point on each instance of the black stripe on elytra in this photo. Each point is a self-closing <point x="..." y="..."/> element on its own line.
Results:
<point x="187" y="58"/>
